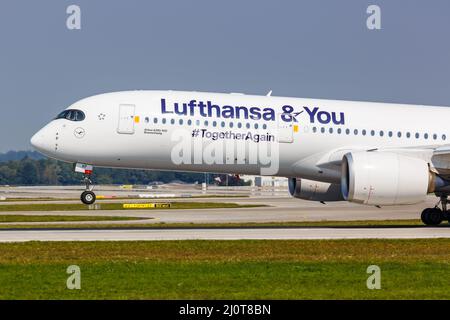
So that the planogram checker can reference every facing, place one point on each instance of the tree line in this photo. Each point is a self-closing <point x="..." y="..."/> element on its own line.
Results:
<point x="29" y="171"/>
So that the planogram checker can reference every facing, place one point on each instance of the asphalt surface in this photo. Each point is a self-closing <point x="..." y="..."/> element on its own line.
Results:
<point x="224" y="234"/>
<point x="279" y="209"/>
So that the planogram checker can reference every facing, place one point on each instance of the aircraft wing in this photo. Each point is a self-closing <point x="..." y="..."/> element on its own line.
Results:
<point x="441" y="160"/>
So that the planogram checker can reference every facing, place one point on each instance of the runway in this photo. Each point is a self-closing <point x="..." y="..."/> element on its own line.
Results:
<point x="279" y="207"/>
<point x="224" y="234"/>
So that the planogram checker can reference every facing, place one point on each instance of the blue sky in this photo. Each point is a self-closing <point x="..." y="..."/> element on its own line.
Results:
<point x="317" y="49"/>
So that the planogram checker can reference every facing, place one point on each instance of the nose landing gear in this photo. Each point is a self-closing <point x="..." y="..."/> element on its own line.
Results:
<point x="434" y="216"/>
<point x="87" y="197"/>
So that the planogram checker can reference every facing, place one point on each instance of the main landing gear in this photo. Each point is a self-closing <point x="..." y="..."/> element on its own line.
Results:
<point x="434" y="216"/>
<point x="88" y="197"/>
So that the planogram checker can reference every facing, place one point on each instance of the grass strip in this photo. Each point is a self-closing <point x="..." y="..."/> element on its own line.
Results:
<point x="60" y="218"/>
<point x="290" y="224"/>
<point x="263" y="269"/>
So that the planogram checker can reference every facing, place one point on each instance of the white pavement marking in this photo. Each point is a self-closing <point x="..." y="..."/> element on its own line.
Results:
<point x="224" y="234"/>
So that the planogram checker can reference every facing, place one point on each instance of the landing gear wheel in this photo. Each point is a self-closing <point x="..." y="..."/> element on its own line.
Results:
<point x="425" y="216"/>
<point x="88" y="197"/>
<point x="436" y="216"/>
<point x="432" y="216"/>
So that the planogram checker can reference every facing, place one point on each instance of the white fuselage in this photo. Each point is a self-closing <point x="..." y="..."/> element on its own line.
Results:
<point x="143" y="129"/>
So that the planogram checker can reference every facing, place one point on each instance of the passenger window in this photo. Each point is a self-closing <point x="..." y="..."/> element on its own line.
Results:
<point x="399" y="134"/>
<point x="155" y="120"/>
<point x="408" y="135"/>
<point x="339" y="130"/>
<point x="239" y="125"/>
<point x="322" y="130"/>
<point x="147" y="119"/>
<point x="164" y="120"/>
<point x="425" y="135"/>
<point x="444" y="137"/>
<point x="434" y="136"/>
<point x="189" y="122"/>
<point x="180" y="121"/>
<point x="247" y="125"/>
<point x="330" y="130"/>
<point x="347" y="131"/>
<point x="364" y="132"/>
<point x="206" y="123"/>
<point x="372" y="132"/>
<point x="417" y="135"/>
<point x="264" y="126"/>
<point x="231" y="124"/>
<point x="214" y="123"/>
<point x="222" y="124"/>
<point x="172" y="121"/>
<point x="390" y="133"/>
<point x="256" y="126"/>
<point x="355" y="132"/>
<point x="314" y="129"/>
<point x="381" y="133"/>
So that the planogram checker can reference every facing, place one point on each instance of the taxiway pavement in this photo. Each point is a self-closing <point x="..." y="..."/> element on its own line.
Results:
<point x="224" y="234"/>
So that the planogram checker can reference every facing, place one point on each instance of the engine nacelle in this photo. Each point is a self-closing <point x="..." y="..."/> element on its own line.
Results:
<point x="383" y="178"/>
<point x="314" y="190"/>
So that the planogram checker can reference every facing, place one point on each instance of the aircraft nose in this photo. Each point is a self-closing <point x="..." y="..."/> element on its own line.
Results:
<point x="36" y="140"/>
<point x="41" y="141"/>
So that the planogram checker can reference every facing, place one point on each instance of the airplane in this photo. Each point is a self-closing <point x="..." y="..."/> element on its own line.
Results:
<point x="369" y="153"/>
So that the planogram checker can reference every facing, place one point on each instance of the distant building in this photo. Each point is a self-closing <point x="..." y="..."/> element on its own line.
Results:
<point x="265" y="181"/>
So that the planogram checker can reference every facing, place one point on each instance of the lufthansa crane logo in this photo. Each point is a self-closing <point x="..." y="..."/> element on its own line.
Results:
<point x="79" y="133"/>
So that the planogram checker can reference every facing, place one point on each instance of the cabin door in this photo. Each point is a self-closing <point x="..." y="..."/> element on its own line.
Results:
<point x="285" y="128"/>
<point x="126" y="119"/>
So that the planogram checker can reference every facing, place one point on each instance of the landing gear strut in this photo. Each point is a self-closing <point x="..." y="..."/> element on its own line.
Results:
<point x="434" y="216"/>
<point x="88" y="197"/>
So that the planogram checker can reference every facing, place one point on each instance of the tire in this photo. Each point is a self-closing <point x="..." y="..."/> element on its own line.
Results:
<point x="425" y="216"/>
<point x="446" y="216"/>
<point x="432" y="216"/>
<point x="436" y="216"/>
<point x="88" y="197"/>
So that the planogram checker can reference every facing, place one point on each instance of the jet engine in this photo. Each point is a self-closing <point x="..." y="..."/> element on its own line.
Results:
<point x="314" y="190"/>
<point x="383" y="178"/>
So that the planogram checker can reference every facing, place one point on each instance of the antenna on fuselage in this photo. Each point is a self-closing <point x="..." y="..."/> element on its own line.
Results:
<point x="269" y="93"/>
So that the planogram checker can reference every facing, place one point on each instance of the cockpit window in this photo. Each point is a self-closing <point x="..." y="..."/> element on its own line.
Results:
<point x="72" y="115"/>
